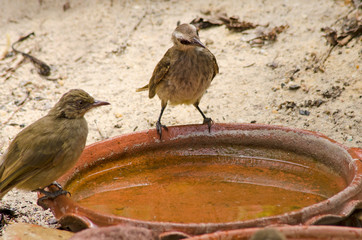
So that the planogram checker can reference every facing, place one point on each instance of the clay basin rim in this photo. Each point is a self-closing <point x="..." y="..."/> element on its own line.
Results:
<point x="346" y="162"/>
<point x="290" y="232"/>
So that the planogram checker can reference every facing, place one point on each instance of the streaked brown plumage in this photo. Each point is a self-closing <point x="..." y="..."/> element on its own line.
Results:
<point x="47" y="148"/>
<point x="184" y="73"/>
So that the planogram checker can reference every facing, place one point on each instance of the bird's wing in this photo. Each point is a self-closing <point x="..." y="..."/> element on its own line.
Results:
<point x="216" y="67"/>
<point x="33" y="149"/>
<point x="159" y="73"/>
<point x="21" y="175"/>
<point x="30" y="164"/>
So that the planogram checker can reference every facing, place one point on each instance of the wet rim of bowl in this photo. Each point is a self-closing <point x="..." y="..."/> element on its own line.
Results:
<point x="330" y="210"/>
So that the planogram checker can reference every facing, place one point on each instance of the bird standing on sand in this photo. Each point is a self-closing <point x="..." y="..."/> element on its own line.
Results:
<point x="46" y="149"/>
<point x="184" y="73"/>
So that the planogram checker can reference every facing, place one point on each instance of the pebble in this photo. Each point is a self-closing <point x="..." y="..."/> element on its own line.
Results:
<point x="294" y="87"/>
<point x="34" y="232"/>
<point x="118" y="115"/>
<point x="116" y="232"/>
<point x="304" y="112"/>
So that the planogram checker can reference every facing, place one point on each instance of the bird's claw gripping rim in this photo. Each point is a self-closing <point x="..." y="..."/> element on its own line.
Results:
<point x="52" y="194"/>
<point x="159" y="127"/>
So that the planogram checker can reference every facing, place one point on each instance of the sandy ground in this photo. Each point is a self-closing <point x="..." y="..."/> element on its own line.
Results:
<point x="109" y="48"/>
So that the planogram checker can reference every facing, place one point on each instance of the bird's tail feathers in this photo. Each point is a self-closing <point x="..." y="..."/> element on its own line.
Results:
<point x="144" y="88"/>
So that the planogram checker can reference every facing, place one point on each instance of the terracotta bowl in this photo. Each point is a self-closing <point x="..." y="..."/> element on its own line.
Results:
<point x="290" y="232"/>
<point x="196" y="182"/>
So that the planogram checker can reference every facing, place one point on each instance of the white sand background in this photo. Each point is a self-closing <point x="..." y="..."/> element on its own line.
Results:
<point x="109" y="48"/>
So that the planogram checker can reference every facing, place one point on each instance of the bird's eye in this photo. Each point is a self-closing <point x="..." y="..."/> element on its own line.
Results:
<point x="80" y="102"/>
<point x="185" y="42"/>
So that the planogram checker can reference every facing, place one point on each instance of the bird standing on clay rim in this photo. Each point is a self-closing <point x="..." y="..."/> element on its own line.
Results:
<point x="49" y="147"/>
<point x="184" y="73"/>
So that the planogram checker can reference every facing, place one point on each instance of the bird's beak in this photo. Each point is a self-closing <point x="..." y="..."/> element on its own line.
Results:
<point x="99" y="103"/>
<point x="197" y="41"/>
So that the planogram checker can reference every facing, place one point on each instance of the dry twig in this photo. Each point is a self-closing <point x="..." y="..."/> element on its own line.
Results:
<point x="43" y="68"/>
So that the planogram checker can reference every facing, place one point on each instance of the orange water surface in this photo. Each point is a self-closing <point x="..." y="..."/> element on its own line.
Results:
<point x="205" y="188"/>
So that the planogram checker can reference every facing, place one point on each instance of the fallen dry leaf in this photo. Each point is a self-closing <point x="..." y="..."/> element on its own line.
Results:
<point x="269" y="36"/>
<point x="351" y="28"/>
<point x="232" y="23"/>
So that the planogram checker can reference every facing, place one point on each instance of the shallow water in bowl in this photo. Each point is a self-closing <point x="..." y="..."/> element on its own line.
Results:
<point x="204" y="188"/>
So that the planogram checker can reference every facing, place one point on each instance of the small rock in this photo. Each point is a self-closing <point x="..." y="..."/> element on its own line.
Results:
<point x="333" y="92"/>
<point x="318" y="102"/>
<point x="60" y="82"/>
<point x="34" y="232"/>
<point x="66" y="6"/>
<point x="272" y="65"/>
<point x="304" y="112"/>
<point x="294" y="87"/>
<point x="307" y="103"/>
<point x="287" y="105"/>
<point x="290" y="105"/>
<point x="274" y="89"/>
<point x="115" y="232"/>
